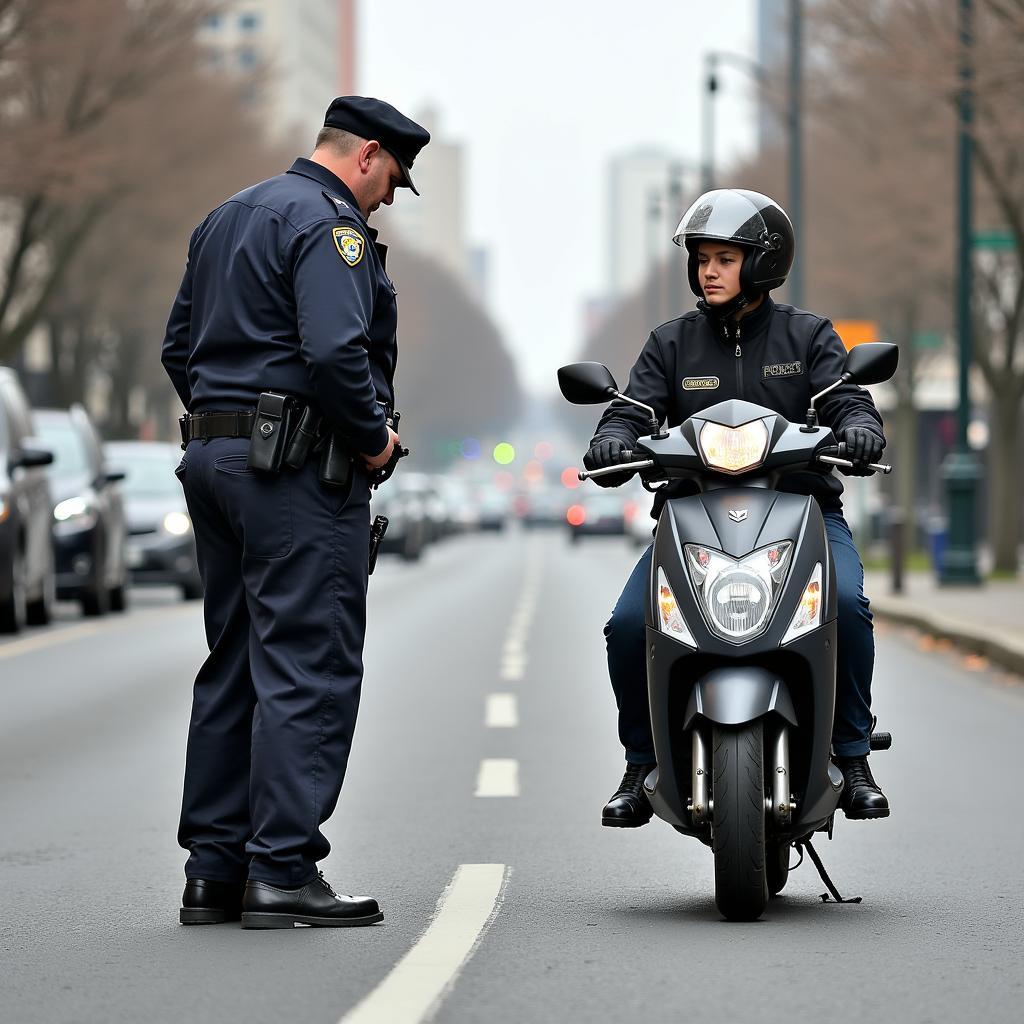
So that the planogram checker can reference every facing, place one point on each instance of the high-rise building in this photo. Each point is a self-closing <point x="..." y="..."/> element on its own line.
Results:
<point x="303" y="51"/>
<point x="637" y="236"/>
<point x="772" y="51"/>
<point x="434" y="223"/>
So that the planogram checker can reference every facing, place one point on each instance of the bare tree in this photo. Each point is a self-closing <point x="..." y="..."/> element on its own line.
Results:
<point x="77" y="85"/>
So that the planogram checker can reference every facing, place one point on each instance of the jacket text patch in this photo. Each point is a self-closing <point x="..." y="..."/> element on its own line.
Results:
<point x="781" y="370"/>
<point x="700" y="383"/>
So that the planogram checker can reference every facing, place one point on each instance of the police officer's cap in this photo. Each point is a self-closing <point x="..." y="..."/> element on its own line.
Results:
<point x="370" y="118"/>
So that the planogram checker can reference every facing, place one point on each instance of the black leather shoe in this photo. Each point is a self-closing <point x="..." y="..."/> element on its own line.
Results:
<point x="206" y="902"/>
<point x="861" y="797"/>
<point x="629" y="806"/>
<point x="316" y="903"/>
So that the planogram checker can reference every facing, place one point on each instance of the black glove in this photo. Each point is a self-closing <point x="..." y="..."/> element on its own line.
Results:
<point x="863" y="447"/>
<point x="605" y="452"/>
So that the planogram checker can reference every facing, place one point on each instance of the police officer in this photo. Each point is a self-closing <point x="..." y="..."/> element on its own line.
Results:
<point x="740" y="344"/>
<point x="285" y="313"/>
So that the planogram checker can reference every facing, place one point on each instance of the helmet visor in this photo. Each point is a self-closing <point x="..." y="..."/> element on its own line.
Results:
<point x="725" y="214"/>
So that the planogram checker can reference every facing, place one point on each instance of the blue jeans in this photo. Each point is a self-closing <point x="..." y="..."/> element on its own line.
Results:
<point x="624" y="634"/>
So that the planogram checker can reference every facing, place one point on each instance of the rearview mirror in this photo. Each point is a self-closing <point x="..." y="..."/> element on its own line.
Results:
<point x="30" y="456"/>
<point x="871" y="363"/>
<point x="586" y="383"/>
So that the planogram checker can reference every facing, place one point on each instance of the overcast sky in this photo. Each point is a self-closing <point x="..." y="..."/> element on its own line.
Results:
<point x="542" y="93"/>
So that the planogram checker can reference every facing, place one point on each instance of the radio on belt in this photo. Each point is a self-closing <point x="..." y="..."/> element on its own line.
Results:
<point x="269" y="433"/>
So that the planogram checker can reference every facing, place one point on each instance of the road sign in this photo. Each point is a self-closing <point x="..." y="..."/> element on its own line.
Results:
<point x="856" y="332"/>
<point x="997" y="241"/>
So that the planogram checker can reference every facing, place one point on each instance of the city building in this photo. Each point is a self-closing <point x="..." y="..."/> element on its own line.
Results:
<point x="303" y="50"/>
<point x="435" y="223"/>
<point x="772" y="52"/>
<point x="641" y="216"/>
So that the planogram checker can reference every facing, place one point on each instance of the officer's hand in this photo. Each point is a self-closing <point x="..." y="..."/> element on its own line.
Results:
<point x="606" y="452"/>
<point x="863" y="447"/>
<point x="382" y="459"/>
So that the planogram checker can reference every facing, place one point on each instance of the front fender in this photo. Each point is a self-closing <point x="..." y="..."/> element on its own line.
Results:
<point x="734" y="694"/>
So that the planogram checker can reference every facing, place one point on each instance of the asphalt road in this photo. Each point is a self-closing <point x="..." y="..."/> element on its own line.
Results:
<point x="592" y="924"/>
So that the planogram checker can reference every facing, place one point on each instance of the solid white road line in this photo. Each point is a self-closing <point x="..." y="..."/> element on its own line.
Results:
<point x="424" y="976"/>
<point x="501" y="711"/>
<point x="498" y="776"/>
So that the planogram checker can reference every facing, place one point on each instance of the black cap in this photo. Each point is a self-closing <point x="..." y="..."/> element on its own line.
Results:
<point x="369" y="118"/>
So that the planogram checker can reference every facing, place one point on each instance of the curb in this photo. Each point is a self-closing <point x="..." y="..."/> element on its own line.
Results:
<point x="996" y="646"/>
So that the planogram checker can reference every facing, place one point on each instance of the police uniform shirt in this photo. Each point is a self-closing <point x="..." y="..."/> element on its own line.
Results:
<point x="286" y="290"/>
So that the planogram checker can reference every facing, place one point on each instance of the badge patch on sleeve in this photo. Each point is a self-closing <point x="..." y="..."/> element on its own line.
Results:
<point x="350" y="244"/>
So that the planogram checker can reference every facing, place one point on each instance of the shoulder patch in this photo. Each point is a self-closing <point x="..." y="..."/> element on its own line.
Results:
<point x="350" y="244"/>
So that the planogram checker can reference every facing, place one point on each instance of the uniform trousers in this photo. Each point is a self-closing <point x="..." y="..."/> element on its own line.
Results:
<point x="284" y="566"/>
<point x="855" y="652"/>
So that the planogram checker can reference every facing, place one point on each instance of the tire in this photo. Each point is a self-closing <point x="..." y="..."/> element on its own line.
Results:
<point x="40" y="611"/>
<point x="738" y="826"/>
<point x="14" y="609"/>
<point x="777" y="867"/>
<point x="118" y="597"/>
<point x="95" y="600"/>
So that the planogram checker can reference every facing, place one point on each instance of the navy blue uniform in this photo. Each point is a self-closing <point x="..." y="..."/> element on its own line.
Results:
<point x="285" y="290"/>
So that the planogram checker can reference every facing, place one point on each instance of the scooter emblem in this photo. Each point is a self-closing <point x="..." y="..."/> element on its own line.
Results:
<point x="737" y="515"/>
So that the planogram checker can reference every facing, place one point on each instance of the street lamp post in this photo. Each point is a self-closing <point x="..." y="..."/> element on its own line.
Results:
<point x="712" y="59"/>
<point x="654" y="245"/>
<point x="796" y="158"/>
<point x="960" y="469"/>
<point x="675" y="210"/>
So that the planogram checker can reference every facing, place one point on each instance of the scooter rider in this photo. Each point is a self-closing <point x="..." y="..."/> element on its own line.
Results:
<point x="738" y="343"/>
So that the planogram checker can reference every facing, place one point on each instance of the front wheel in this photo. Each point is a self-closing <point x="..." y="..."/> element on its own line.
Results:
<point x="738" y="827"/>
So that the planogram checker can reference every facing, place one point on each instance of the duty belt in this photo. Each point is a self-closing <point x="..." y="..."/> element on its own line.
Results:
<point x="204" y="425"/>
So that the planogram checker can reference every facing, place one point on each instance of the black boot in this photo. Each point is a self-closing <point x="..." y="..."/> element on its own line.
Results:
<point x="629" y="806"/>
<point x="316" y="903"/>
<point x="206" y="902"/>
<point x="861" y="797"/>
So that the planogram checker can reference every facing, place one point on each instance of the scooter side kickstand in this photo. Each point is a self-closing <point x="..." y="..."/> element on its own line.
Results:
<point x="816" y="860"/>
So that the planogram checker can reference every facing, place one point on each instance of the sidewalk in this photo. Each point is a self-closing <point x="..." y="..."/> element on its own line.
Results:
<point x="987" y="620"/>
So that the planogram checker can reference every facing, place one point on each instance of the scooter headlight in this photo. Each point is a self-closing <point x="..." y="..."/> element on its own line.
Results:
<point x="809" y="611"/>
<point x="738" y="596"/>
<point x="670" y="618"/>
<point x="734" y="449"/>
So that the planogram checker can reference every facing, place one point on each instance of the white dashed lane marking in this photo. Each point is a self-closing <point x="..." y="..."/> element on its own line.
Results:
<point x="501" y="711"/>
<point x="498" y="776"/>
<point x="419" y="981"/>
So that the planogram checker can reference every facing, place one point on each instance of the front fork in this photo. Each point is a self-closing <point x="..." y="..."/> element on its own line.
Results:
<point x="779" y="800"/>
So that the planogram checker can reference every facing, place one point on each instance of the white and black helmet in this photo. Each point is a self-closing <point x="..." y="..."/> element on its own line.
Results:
<point x="747" y="219"/>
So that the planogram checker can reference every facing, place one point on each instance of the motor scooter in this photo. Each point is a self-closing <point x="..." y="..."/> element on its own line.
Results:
<point x="741" y="631"/>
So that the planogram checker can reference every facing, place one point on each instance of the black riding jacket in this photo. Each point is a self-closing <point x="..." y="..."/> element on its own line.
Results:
<point x="777" y="356"/>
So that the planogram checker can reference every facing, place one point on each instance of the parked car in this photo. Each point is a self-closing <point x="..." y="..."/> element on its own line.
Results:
<point x="161" y="544"/>
<point x="88" y="520"/>
<point x="597" y="515"/>
<point x="27" y="578"/>
<point x="422" y="488"/>
<point x="407" y="521"/>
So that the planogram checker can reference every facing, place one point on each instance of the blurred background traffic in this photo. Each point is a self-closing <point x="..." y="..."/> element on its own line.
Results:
<point x="892" y="132"/>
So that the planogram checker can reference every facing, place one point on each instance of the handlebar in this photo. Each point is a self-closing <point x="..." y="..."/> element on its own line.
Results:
<point x="627" y="466"/>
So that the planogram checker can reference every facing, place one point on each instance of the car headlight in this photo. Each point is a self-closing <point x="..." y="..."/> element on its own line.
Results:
<point x="738" y="596"/>
<point x="670" y="618"/>
<point x="809" y="611"/>
<point x="74" y="514"/>
<point x="734" y="449"/>
<point x="177" y="523"/>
